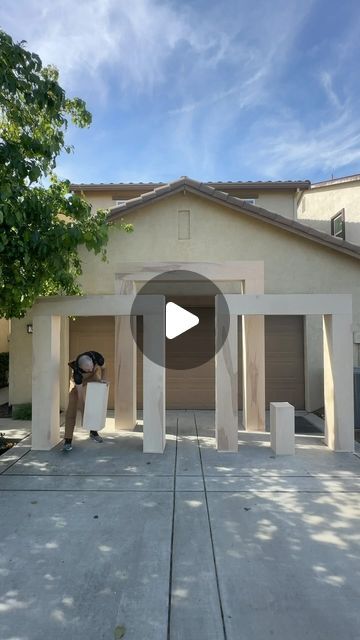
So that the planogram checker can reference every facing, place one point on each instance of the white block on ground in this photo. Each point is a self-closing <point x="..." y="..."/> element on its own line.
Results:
<point x="96" y="402"/>
<point x="282" y="428"/>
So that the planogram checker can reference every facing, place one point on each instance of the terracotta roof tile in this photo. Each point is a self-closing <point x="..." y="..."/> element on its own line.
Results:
<point x="273" y="184"/>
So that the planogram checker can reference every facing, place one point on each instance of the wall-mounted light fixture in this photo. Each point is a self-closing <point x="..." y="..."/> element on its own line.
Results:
<point x="29" y="328"/>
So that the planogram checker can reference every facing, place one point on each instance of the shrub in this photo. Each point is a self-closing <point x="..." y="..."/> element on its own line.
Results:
<point x="4" y="369"/>
<point x="5" y="443"/>
<point x="21" y="411"/>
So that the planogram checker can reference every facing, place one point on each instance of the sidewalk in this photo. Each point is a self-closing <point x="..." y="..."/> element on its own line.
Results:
<point x="189" y="545"/>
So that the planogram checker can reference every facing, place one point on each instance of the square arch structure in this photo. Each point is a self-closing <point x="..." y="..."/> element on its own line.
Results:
<point x="46" y="362"/>
<point x="250" y="275"/>
<point x="336" y="311"/>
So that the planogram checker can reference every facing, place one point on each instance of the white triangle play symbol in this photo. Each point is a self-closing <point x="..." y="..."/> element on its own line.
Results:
<point x="178" y="320"/>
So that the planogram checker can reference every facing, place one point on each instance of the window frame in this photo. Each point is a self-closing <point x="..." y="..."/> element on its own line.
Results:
<point x="250" y="201"/>
<point x="339" y="215"/>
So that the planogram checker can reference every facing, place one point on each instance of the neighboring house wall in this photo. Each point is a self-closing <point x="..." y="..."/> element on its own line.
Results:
<point x="292" y="265"/>
<point x="4" y="335"/>
<point x="320" y="204"/>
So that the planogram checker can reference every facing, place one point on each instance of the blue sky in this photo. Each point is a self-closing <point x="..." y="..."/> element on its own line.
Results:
<point x="231" y="90"/>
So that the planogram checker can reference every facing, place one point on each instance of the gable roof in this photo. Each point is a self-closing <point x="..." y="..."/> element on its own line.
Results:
<point x="206" y="191"/>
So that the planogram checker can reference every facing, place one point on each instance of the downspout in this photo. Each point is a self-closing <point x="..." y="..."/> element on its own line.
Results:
<point x="297" y="201"/>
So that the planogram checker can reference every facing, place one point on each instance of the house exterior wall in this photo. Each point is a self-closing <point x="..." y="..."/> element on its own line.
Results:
<point x="282" y="202"/>
<point x="102" y="200"/>
<point x="4" y="335"/>
<point x="292" y="265"/>
<point x="20" y="361"/>
<point x="320" y="204"/>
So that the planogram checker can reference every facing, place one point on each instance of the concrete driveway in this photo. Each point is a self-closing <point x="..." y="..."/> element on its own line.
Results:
<point x="106" y="542"/>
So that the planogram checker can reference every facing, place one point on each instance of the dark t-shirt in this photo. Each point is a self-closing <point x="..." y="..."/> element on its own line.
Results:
<point x="95" y="356"/>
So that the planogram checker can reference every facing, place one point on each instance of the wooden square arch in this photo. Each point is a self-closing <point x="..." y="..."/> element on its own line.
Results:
<point x="46" y="362"/>
<point x="336" y="311"/>
<point x="250" y="273"/>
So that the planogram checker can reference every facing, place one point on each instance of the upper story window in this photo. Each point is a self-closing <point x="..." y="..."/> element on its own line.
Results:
<point x="338" y="224"/>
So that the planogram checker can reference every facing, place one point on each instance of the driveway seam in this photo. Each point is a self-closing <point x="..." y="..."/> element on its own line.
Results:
<point x="210" y="531"/>
<point x="172" y="534"/>
<point x="90" y="475"/>
<point x="169" y="475"/>
<point x="15" y="461"/>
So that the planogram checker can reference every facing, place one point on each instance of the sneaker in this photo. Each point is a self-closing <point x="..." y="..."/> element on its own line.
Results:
<point x="95" y="436"/>
<point x="67" y="446"/>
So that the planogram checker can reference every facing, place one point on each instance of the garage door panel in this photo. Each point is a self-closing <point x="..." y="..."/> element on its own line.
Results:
<point x="195" y="387"/>
<point x="189" y="387"/>
<point x="95" y="334"/>
<point x="284" y="360"/>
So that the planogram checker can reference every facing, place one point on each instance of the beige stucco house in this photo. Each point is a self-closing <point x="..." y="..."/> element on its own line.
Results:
<point x="333" y="206"/>
<point x="190" y="222"/>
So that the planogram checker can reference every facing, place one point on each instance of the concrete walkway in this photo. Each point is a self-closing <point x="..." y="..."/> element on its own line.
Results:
<point x="191" y="545"/>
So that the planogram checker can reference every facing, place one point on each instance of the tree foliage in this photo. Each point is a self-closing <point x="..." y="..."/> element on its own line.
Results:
<point x="41" y="227"/>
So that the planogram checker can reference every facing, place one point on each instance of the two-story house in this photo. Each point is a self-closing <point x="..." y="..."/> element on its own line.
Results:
<point x="188" y="222"/>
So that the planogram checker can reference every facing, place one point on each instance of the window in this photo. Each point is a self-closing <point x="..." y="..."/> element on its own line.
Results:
<point x="249" y="200"/>
<point x="119" y="202"/>
<point x="338" y="224"/>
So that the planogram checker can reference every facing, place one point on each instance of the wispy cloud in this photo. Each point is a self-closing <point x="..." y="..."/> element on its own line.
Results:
<point x="231" y="90"/>
<point x="292" y="148"/>
<point x="327" y="83"/>
<point x="136" y="39"/>
<point x="87" y="37"/>
<point x="252" y="60"/>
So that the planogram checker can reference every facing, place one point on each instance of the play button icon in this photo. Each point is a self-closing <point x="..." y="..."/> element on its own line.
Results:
<point x="191" y="336"/>
<point x="178" y="320"/>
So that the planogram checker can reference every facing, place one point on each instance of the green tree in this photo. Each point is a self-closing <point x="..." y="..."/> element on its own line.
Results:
<point x="41" y="227"/>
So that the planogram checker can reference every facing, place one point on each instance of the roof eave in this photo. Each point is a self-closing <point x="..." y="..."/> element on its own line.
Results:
<point x="302" y="185"/>
<point x="335" y="181"/>
<point x="131" y="186"/>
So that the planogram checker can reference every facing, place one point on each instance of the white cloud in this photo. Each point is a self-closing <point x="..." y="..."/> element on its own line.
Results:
<point x="214" y="71"/>
<point x="84" y="37"/>
<point x="327" y="83"/>
<point x="258" y="53"/>
<point x="294" y="148"/>
<point x="135" y="40"/>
